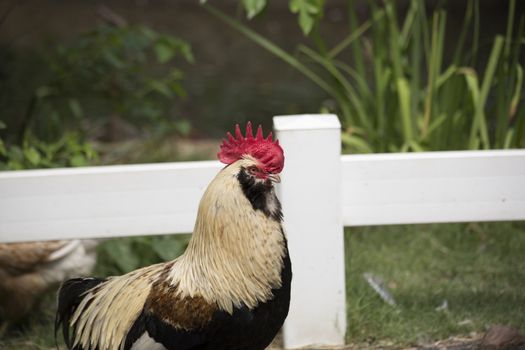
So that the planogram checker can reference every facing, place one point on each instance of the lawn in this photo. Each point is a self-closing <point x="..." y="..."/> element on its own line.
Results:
<point x="446" y="279"/>
<point x="477" y="269"/>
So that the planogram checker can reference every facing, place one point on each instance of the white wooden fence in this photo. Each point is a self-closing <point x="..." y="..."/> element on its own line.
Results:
<point x="321" y="192"/>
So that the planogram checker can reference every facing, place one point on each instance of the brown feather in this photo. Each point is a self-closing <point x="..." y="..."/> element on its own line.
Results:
<point x="181" y="312"/>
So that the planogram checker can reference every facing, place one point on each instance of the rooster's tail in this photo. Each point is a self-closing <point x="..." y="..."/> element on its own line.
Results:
<point x="70" y="295"/>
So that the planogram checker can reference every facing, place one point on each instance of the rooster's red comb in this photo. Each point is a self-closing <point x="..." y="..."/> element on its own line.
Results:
<point x="265" y="150"/>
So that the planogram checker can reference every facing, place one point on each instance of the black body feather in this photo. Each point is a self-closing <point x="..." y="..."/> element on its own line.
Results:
<point x="70" y="295"/>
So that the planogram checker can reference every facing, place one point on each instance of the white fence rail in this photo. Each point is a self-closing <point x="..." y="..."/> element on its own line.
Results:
<point x="106" y="201"/>
<point x="410" y="188"/>
<point x="321" y="192"/>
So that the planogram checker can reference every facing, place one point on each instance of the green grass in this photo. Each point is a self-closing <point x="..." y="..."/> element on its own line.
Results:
<point x="37" y="332"/>
<point x="479" y="269"/>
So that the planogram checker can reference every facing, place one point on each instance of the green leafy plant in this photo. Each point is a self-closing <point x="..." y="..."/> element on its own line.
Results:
<point x="105" y="77"/>
<point x="118" y="256"/>
<point x="308" y="11"/>
<point x="68" y="151"/>
<point x="399" y="91"/>
<point x="110" y="80"/>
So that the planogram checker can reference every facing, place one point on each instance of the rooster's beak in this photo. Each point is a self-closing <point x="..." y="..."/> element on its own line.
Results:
<point x="274" y="178"/>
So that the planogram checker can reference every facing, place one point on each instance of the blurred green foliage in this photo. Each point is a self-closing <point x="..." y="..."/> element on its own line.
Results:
<point x="395" y="89"/>
<point x="121" y="255"/>
<point x="68" y="151"/>
<point x="108" y="79"/>
<point x="309" y="12"/>
<point x="106" y="74"/>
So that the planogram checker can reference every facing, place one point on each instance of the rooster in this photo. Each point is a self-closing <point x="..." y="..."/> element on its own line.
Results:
<point x="229" y="290"/>
<point x="28" y="270"/>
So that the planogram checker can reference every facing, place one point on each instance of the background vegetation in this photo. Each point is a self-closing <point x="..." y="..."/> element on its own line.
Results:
<point x="401" y="88"/>
<point x="88" y="89"/>
<point x="401" y="78"/>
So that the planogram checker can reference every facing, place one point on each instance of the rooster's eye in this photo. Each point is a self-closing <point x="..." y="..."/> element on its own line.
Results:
<point x="252" y="170"/>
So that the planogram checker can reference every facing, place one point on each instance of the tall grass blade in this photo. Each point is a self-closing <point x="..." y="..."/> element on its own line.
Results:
<point x="475" y="35"/>
<point x="416" y="147"/>
<point x="508" y="139"/>
<point x="473" y="85"/>
<point x="445" y="76"/>
<point x="348" y="88"/>
<point x="382" y="75"/>
<point x="354" y="31"/>
<point x="272" y="48"/>
<point x="355" y="34"/>
<point x="481" y="97"/>
<point x="404" y="109"/>
<point x="519" y="139"/>
<point x="416" y="64"/>
<point x="356" y="143"/>
<point x="491" y="68"/>
<point x="436" y="52"/>
<point x="463" y="33"/>
<point x="394" y="47"/>
<point x="360" y="80"/>
<point x="510" y="25"/>
<point x="407" y="31"/>
<point x="518" y="90"/>
<point x="436" y="123"/>
<point x="424" y="28"/>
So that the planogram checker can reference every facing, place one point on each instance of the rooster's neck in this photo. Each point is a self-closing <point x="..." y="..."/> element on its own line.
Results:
<point x="236" y="254"/>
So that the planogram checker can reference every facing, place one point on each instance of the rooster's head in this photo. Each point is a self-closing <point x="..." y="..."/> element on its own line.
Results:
<point x="262" y="159"/>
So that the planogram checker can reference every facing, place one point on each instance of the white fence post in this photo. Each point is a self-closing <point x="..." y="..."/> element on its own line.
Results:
<point x="311" y="196"/>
